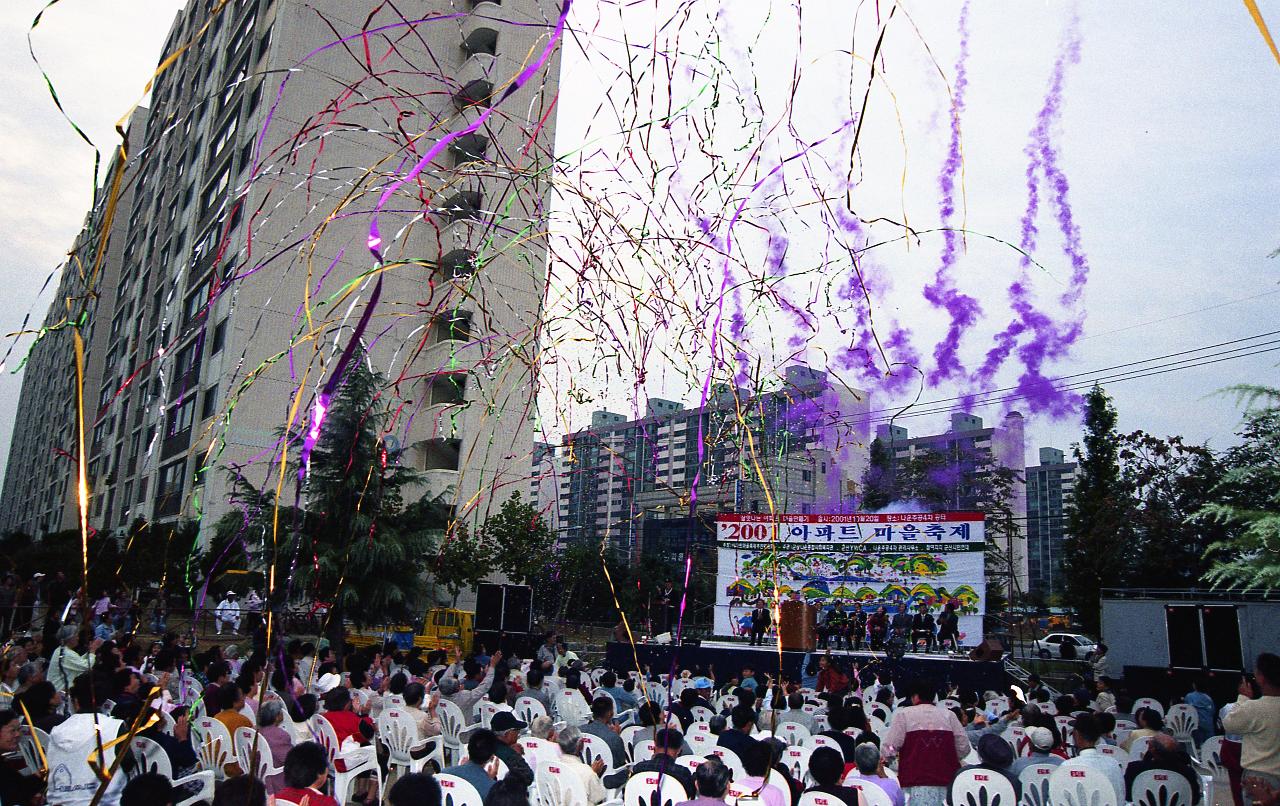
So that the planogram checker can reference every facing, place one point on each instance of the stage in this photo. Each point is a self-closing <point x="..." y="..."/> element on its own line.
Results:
<point x="729" y="656"/>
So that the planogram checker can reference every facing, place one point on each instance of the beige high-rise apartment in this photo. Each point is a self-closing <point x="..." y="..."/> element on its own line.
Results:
<point x="245" y="268"/>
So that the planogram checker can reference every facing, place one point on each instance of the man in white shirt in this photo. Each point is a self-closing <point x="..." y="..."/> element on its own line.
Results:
<point x="1257" y="723"/>
<point x="1088" y="733"/>
<point x="570" y="741"/>
<point x="72" y="782"/>
<point x="228" y="612"/>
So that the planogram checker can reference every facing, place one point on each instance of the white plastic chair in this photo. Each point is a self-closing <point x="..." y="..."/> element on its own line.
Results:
<point x="556" y="786"/>
<point x="1148" y="702"/>
<point x="1138" y="748"/>
<point x="880" y="711"/>
<point x="452" y="723"/>
<point x="27" y="747"/>
<point x="737" y="790"/>
<point x="528" y="709"/>
<point x="248" y="742"/>
<point x="485" y="710"/>
<point x="1210" y="755"/>
<point x="356" y="762"/>
<point x="571" y="707"/>
<point x="690" y="763"/>
<point x="727" y="702"/>
<point x="1048" y="708"/>
<point x="872" y="795"/>
<point x="702" y="713"/>
<point x="538" y="750"/>
<point x="1035" y="784"/>
<point x="593" y="748"/>
<point x="399" y="734"/>
<point x="631" y="735"/>
<point x="796" y="760"/>
<point x="823" y="799"/>
<point x="658" y="693"/>
<point x="1161" y="788"/>
<point x="818" y="740"/>
<point x="213" y="745"/>
<point x="1080" y="786"/>
<point x="150" y="757"/>
<point x="701" y="743"/>
<point x="877" y="725"/>
<point x="730" y="760"/>
<point x="982" y="788"/>
<point x="792" y="733"/>
<point x="1182" y="721"/>
<point x="1113" y="751"/>
<point x="641" y="788"/>
<point x="456" y="791"/>
<point x="643" y="750"/>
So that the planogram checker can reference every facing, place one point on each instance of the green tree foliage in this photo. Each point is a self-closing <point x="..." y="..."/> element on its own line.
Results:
<point x="1167" y="481"/>
<point x="993" y="487"/>
<point x="518" y="538"/>
<point x="1098" y="545"/>
<point x="1244" y="510"/>
<point x="352" y="541"/>
<point x="928" y="478"/>
<point x="462" y="561"/>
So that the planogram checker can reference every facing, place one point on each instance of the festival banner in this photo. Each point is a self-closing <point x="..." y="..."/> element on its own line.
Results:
<point x="897" y="561"/>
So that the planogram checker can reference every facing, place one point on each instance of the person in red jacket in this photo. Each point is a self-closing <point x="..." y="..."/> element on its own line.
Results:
<point x="306" y="770"/>
<point x="831" y="680"/>
<point x="346" y="724"/>
<point x="929" y="743"/>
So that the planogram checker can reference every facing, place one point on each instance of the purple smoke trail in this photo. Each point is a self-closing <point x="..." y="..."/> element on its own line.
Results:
<point x="942" y="293"/>
<point x="1048" y="339"/>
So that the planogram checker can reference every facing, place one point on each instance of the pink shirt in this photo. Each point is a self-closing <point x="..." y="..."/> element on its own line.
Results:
<point x="923" y="717"/>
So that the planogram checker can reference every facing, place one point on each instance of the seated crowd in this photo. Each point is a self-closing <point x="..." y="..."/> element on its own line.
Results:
<point x="406" y="726"/>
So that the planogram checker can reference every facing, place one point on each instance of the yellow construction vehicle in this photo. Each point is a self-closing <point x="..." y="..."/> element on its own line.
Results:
<point x="442" y="628"/>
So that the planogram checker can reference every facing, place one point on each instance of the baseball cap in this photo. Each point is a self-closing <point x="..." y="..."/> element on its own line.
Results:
<point x="1040" y="738"/>
<point x="504" y="721"/>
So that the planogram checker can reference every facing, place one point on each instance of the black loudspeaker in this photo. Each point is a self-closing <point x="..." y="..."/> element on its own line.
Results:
<point x="518" y="645"/>
<point x="990" y="649"/>
<point x="488" y="608"/>
<point x="517" y="609"/>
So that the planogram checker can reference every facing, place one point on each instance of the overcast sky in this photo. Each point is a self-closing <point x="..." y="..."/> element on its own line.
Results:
<point x="1168" y="136"/>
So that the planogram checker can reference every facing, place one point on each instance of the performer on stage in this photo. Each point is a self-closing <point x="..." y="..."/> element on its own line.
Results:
<point x="760" y="621"/>
<point x="857" y="628"/>
<point x="949" y="627"/>
<point x="901" y="625"/>
<point x="833" y="625"/>
<point x="922" y="629"/>
<point x="667" y="600"/>
<point x="879" y="627"/>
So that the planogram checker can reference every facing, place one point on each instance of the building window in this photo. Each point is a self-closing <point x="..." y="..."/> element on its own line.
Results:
<point x="450" y="389"/>
<point x="219" y="338"/>
<point x="210" y="403"/>
<point x="182" y="417"/>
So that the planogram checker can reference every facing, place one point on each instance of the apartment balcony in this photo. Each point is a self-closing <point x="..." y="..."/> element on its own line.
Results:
<point x="480" y="28"/>
<point x="476" y="81"/>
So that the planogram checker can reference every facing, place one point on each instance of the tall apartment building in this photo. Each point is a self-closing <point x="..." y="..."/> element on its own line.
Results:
<point x="245" y="265"/>
<point x="1050" y="487"/>
<point x="40" y="483"/>
<point x="967" y="447"/>
<point x="618" y="474"/>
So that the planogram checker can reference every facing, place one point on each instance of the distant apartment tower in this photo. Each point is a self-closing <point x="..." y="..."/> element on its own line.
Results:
<point x="803" y="438"/>
<point x="244" y="264"/>
<point x="1050" y="488"/>
<point x="40" y="483"/>
<point x="967" y="447"/>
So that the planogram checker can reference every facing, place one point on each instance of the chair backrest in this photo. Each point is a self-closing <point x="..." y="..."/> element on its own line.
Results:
<point x="701" y="743"/>
<point x="872" y="795"/>
<point x="457" y="791"/>
<point x="1035" y="784"/>
<point x="398" y="731"/>
<point x="1148" y="702"/>
<point x="949" y="703"/>
<point x="658" y="693"/>
<point x="571" y="707"/>
<point x="485" y="711"/>
<point x="1161" y="788"/>
<point x="632" y="734"/>
<point x="796" y="760"/>
<point x="980" y="787"/>
<point x="529" y="709"/>
<point x="593" y="747"/>
<point x="702" y="713"/>
<point x="728" y="702"/>
<point x="150" y="756"/>
<point x="557" y="786"/>
<point x="641" y="788"/>
<point x="690" y="763"/>
<point x="877" y="725"/>
<point x="819" y="799"/>
<point x="644" y="750"/>
<point x="598" y="693"/>
<point x="1080" y="786"/>
<point x="818" y="740"/>
<point x="537" y="750"/>
<point x="1064" y="723"/>
<point x="678" y="687"/>
<point x="737" y="790"/>
<point x="213" y="745"/>
<point x="813" y="709"/>
<point x="1048" y="707"/>
<point x="1118" y="753"/>
<point x="730" y="760"/>
<point x="1182" y="721"/>
<point x="393" y="699"/>
<point x="1138" y="748"/>
<point x="248" y="742"/>
<point x="880" y="711"/>
<point x="792" y="732"/>
<point x="452" y="722"/>
<point x="1210" y="754"/>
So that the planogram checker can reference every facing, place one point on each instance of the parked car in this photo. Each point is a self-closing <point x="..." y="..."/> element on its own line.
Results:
<point x="1065" y="645"/>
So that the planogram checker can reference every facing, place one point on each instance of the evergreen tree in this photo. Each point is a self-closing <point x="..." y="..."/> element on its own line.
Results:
<point x="1244" y="513"/>
<point x="877" y="479"/>
<point x="1099" y="537"/>
<point x="519" y="539"/>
